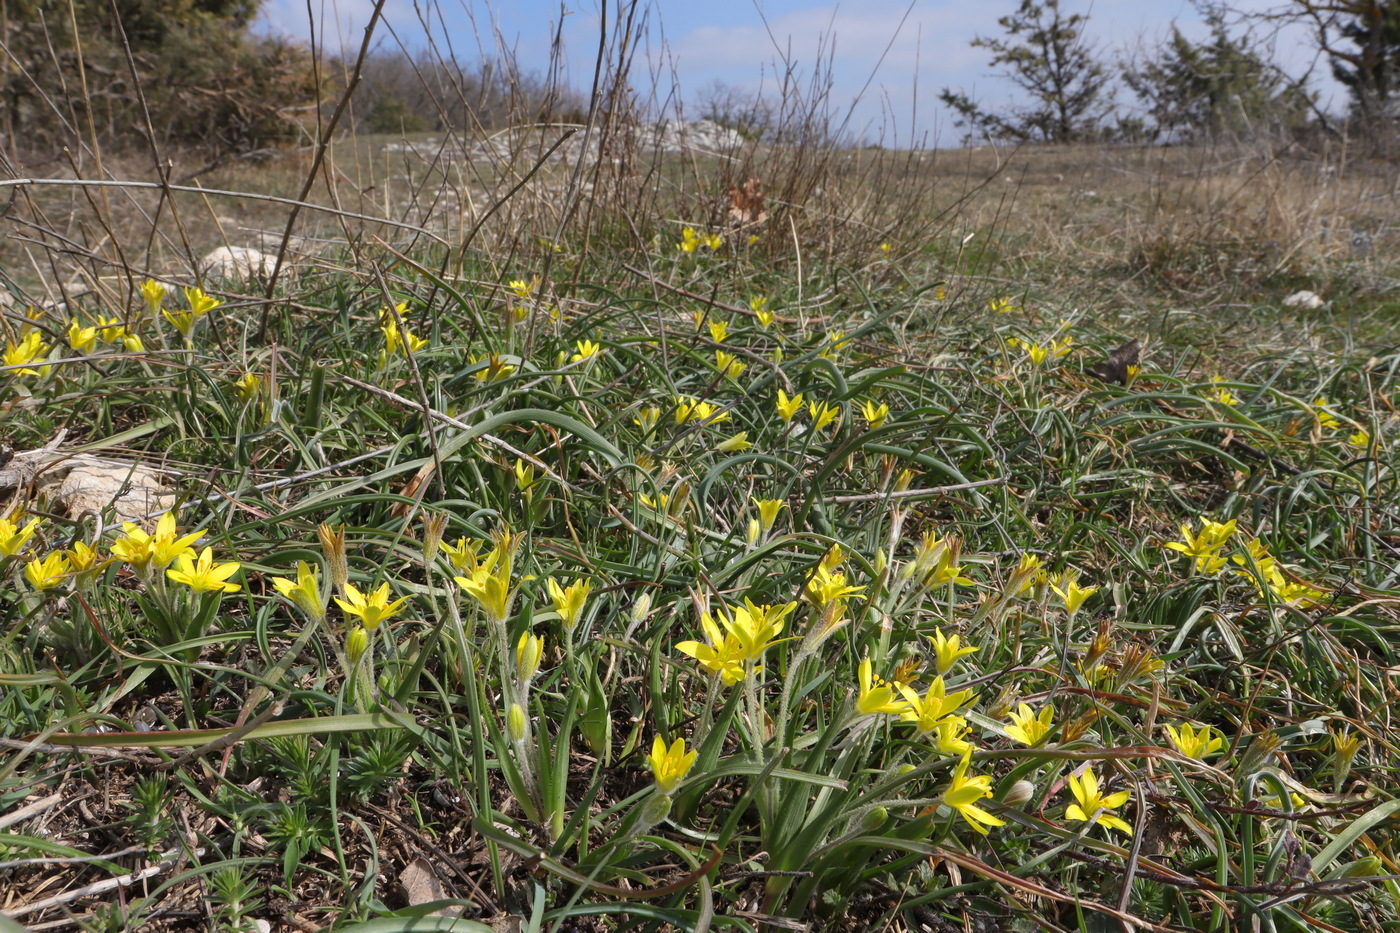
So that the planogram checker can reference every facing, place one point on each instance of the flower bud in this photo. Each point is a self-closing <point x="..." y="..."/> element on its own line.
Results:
<point x="755" y="529"/>
<point x="641" y="608"/>
<point x="527" y="656"/>
<point x="515" y="723"/>
<point x="1018" y="794"/>
<point x="872" y="820"/>
<point x="1361" y="868"/>
<point x="356" y="644"/>
<point x="655" y="809"/>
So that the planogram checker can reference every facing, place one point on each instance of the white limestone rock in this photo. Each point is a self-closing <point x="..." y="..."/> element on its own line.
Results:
<point x="237" y="264"/>
<point x="1306" y="300"/>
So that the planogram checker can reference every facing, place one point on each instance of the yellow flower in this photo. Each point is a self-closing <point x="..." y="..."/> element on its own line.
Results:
<point x="947" y="651"/>
<point x="522" y="288"/>
<point x="947" y="570"/>
<point x="877" y="696"/>
<point x="167" y="545"/>
<point x="833" y="558"/>
<point x="963" y="792"/>
<point x="714" y="241"/>
<point x="203" y="576"/>
<point x="462" y="555"/>
<point x="788" y="407"/>
<point x="768" y="510"/>
<point x="755" y="628"/>
<point x="183" y="321"/>
<point x="759" y="306"/>
<point x="1028" y="728"/>
<point x="495" y="369"/>
<point x="739" y="442"/>
<point x="689" y="240"/>
<point x="1221" y="394"/>
<point x="247" y="386"/>
<point x="154" y="295"/>
<point x="1003" y="305"/>
<point x="199" y="303"/>
<point x="926" y="711"/>
<point x="948" y="735"/>
<point x="719" y="652"/>
<point x="661" y="506"/>
<point x="569" y="601"/>
<point x="85" y="561"/>
<point x="670" y="765"/>
<point x="719" y="330"/>
<point x="31" y="348"/>
<point x="81" y="339"/>
<point x="885" y="248"/>
<point x="528" y="651"/>
<point x="1092" y="806"/>
<point x="1325" y="418"/>
<point x="1038" y="354"/>
<point x="1205" y="547"/>
<point x="647" y="417"/>
<point x="489" y="582"/>
<point x="305" y="593"/>
<point x="728" y="364"/>
<point x="828" y="586"/>
<point x="584" y="350"/>
<point x="13" y="538"/>
<point x="1362" y="438"/>
<point x="874" y="415"/>
<point x="48" y="573"/>
<point x="836" y="342"/>
<point x="159" y="550"/>
<point x="110" y="329"/>
<point x="1302" y="594"/>
<point x="822" y="413"/>
<point x="371" y="609"/>
<point x="524" y="475"/>
<point x="704" y="412"/>
<point x="1195" y="744"/>
<point x="1027" y="573"/>
<point x="1072" y="594"/>
<point x="397" y="338"/>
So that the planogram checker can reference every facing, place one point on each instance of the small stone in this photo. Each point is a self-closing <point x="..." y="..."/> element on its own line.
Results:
<point x="1305" y="299"/>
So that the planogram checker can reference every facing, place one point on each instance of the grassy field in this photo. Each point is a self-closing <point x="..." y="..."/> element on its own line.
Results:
<point x="569" y="554"/>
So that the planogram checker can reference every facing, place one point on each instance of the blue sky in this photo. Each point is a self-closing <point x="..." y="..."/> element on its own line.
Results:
<point x="742" y="43"/>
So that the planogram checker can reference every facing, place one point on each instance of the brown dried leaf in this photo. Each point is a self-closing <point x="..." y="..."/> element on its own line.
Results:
<point x="746" y="206"/>
<point x="421" y="885"/>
